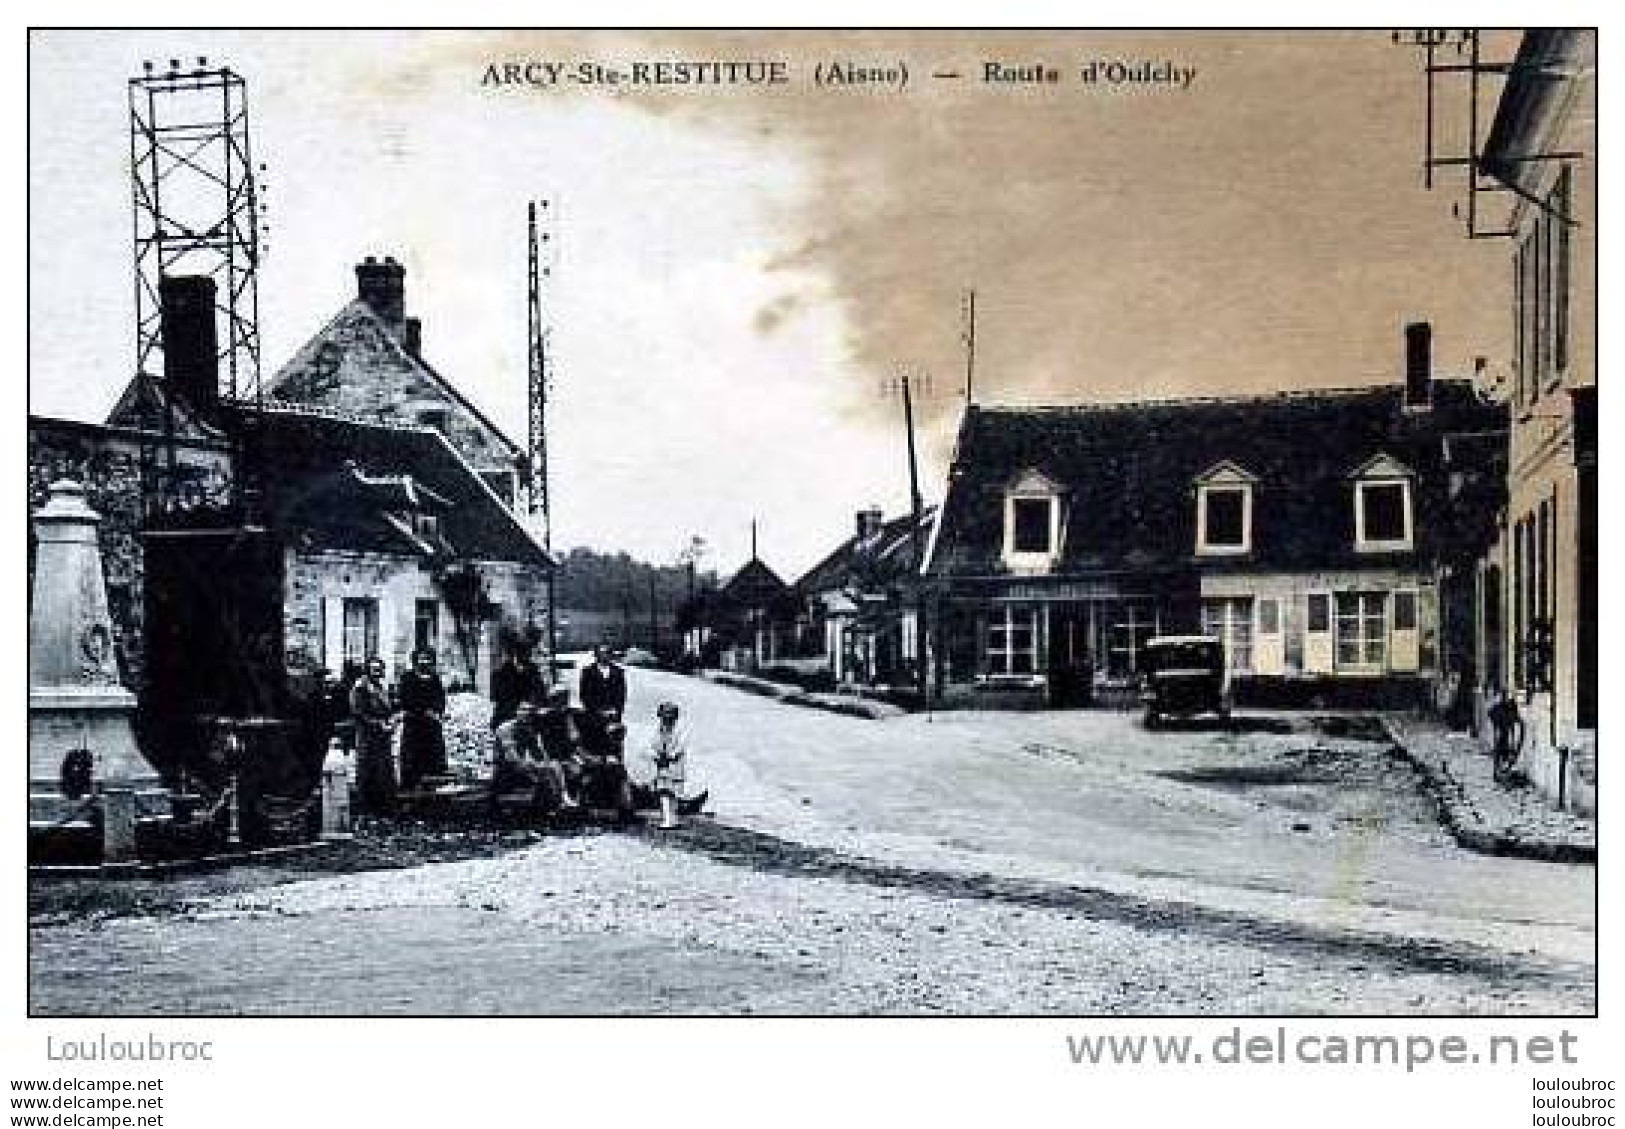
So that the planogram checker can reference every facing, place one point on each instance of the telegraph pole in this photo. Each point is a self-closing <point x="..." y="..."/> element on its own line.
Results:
<point x="915" y="507"/>
<point x="540" y="359"/>
<point x="968" y="336"/>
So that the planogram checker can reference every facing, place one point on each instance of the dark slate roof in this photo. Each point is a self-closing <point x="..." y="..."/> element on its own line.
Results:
<point x="874" y="561"/>
<point x="334" y="482"/>
<point x="1128" y="472"/>
<point x="754" y="585"/>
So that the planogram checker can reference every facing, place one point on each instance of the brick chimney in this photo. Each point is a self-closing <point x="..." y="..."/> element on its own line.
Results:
<point x="191" y="347"/>
<point x="1418" y="366"/>
<point x="412" y="336"/>
<point x="382" y="285"/>
<point x="869" y="523"/>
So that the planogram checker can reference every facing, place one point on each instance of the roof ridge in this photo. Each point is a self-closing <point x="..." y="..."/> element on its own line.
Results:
<point x="1288" y="394"/>
<point x="322" y="411"/>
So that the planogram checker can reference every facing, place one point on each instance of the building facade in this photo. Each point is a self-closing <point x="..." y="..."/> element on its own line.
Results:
<point x="1312" y="532"/>
<point x="859" y="618"/>
<point x="1538" y="632"/>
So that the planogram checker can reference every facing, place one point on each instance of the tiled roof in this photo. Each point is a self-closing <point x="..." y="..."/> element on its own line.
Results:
<point x="1128" y="472"/>
<point x="878" y="559"/>
<point x="333" y="481"/>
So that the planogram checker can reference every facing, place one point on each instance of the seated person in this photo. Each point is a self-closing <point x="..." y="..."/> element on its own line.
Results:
<point x="605" y="783"/>
<point x="522" y="762"/>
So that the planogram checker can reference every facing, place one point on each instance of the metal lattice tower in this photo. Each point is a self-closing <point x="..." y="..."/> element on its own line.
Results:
<point x="196" y="212"/>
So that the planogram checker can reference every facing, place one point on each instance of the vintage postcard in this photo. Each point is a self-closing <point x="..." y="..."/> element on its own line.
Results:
<point x="841" y="523"/>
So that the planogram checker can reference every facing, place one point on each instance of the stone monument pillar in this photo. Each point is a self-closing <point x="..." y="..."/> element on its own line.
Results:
<point x="75" y="700"/>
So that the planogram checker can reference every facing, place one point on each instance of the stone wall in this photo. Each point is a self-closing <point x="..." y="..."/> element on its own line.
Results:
<point x="108" y="462"/>
<point x="317" y="583"/>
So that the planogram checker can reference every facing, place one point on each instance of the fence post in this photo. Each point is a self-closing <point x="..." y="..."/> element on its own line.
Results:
<point x="336" y="792"/>
<point x="118" y="825"/>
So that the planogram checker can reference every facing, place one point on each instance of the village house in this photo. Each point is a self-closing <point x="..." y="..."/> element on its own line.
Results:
<point x="1326" y="536"/>
<point x="746" y="624"/>
<point x="369" y="530"/>
<point x="1538" y="627"/>
<point x="859" y="619"/>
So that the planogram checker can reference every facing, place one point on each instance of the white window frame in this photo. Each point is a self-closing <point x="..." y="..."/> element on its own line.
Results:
<point x="1231" y="619"/>
<point x="1364" y="636"/>
<point x="1203" y="492"/>
<point x="1032" y="487"/>
<point x="1001" y="661"/>
<point x="1364" y="544"/>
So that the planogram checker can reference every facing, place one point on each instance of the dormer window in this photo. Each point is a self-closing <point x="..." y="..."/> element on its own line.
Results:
<point x="1032" y="523"/>
<point x="1224" y="511"/>
<point x="426" y="525"/>
<point x="1384" y="516"/>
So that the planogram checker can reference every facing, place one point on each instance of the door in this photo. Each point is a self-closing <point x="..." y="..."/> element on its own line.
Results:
<point x="1317" y="633"/>
<point x="1269" y="645"/>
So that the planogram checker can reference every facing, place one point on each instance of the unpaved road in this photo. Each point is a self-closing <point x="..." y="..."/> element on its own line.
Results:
<point x="967" y="863"/>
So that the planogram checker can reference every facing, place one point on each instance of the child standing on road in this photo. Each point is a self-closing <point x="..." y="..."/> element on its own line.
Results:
<point x="668" y="748"/>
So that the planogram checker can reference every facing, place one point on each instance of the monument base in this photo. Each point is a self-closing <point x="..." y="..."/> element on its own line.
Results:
<point x="63" y="719"/>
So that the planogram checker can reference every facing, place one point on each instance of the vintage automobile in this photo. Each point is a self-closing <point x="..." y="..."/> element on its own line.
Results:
<point x="1182" y="676"/>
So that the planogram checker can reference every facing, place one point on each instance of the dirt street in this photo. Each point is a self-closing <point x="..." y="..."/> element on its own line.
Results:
<point x="1066" y="863"/>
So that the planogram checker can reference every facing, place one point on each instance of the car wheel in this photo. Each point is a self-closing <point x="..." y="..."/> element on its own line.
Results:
<point x="1152" y="719"/>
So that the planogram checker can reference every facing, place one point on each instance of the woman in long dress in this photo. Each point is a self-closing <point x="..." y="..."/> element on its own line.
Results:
<point x="374" y="763"/>
<point x="422" y="699"/>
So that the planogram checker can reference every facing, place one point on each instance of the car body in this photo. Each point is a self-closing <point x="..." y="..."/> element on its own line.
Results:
<point x="1183" y="676"/>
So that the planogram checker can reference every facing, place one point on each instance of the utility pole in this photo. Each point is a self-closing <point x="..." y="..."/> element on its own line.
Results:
<point x="968" y="336"/>
<point x="539" y="358"/>
<point x="915" y="507"/>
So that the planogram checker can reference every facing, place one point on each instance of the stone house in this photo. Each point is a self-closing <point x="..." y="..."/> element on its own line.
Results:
<point x="369" y="531"/>
<point x="368" y="363"/>
<point x="1316" y="533"/>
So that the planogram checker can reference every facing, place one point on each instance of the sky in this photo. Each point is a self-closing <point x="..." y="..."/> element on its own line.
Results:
<point x="740" y="276"/>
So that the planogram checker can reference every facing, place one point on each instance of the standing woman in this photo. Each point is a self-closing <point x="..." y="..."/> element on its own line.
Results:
<point x="423" y="704"/>
<point x="375" y="765"/>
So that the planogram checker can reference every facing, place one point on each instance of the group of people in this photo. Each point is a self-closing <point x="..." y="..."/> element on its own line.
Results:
<point x="417" y="705"/>
<point x="569" y="759"/>
<point x="573" y="758"/>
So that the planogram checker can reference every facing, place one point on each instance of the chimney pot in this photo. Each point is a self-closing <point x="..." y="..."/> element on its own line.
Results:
<point x="869" y="522"/>
<point x="1418" y="365"/>
<point x="191" y="346"/>
<point x="383" y="287"/>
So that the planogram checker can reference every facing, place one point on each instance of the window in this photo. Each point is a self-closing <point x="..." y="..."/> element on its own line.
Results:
<point x="1405" y="611"/>
<point x="1224" y="510"/>
<point x="1224" y="519"/>
<point x="1231" y="621"/>
<point x="1560" y="210"/>
<point x="426" y="525"/>
<point x="1225" y="524"/>
<point x="1030" y="525"/>
<point x="1320" y="612"/>
<point x="1362" y="630"/>
<point x="1269" y="617"/>
<point x="1382" y="514"/>
<point x="426" y="624"/>
<point x="360" y="628"/>
<point x="1012" y="641"/>
<point x="1132" y="624"/>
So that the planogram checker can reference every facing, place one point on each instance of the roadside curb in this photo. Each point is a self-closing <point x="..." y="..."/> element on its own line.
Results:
<point x="861" y="708"/>
<point x="1462" y="818"/>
